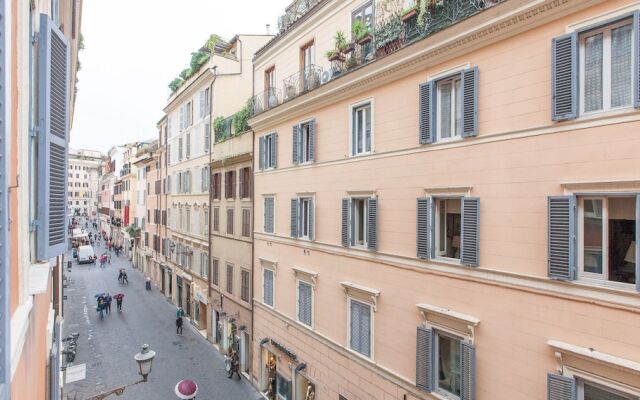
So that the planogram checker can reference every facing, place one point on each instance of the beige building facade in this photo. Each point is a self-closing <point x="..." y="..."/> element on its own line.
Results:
<point x="83" y="184"/>
<point x="453" y="213"/>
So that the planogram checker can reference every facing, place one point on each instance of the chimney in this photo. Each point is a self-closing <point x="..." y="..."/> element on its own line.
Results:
<point x="268" y="29"/>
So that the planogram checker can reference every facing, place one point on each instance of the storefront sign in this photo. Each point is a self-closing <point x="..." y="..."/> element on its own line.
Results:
<point x="284" y="349"/>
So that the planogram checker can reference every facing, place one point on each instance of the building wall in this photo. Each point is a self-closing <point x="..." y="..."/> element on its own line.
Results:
<point x="84" y="172"/>
<point x="519" y="158"/>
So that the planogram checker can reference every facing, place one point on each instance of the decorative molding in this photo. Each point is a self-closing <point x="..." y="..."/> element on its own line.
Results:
<point x="362" y="292"/>
<point x="632" y="185"/>
<point x="594" y="356"/>
<point x="448" y="318"/>
<point x="270" y="264"/>
<point x="448" y="190"/>
<point x="306" y="275"/>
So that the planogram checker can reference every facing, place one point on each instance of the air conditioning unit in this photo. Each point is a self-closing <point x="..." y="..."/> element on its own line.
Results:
<point x="327" y="76"/>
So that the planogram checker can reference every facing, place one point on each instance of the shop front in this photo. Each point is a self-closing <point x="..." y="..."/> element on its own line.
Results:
<point x="282" y="376"/>
<point x="200" y="309"/>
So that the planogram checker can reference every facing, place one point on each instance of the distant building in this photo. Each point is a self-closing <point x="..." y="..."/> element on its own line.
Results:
<point x="83" y="183"/>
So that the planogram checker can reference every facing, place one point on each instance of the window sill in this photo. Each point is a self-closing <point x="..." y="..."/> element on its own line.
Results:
<point x="612" y="285"/>
<point x="363" y="154"/>
<point x="357" y="354"/>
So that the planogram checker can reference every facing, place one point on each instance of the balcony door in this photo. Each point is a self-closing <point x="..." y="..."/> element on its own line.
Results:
<point x="309" y="76"/>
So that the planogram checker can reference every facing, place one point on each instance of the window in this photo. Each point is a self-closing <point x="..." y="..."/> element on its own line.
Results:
<point x="307" y="62"/>
<point x="207" y="137"/>
<point x="214" y="272"/>
<point x="230" y="184"/>
<point x="188" y="220"/>
<point x="305" y="303"/>
<point x="246" y="222"/>
<point x="189" y="114"/>
<point x="216" y="219"/>
<point x="268" y="287"/>
<point x="204" y="179"/>
<point x="607" y="229"/>
<point x="230" y="221"/>
<point x="361" y="136"/>
<point x="216" y="186"/>
<point x="360" y="335"/>
<point x="245" y="182"/>
<point x="204" y="264"/>
<point x="304" y="142"/>
<point x="360" y="222"/>
<point x="205" y="227"/>
<point x="269" y="215"/>
<point x="244" y="289"/>
<point x="449" y="108"/>
<point x="448" y="228"/>
<point x="606" y="65"/>
<point x="230" y="278"/>
<point x="268" y="151"/>
<point x="448" y="364"/>
<point x="592" y="391"/>
<point x="180" y="149"/>
<point x="188" y="151"/>
<point x="270" y="79"/>
<point x="302" y="218"/>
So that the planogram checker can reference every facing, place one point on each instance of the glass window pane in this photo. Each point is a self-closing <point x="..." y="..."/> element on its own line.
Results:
<point x="367" y="127"/>
<point x="593" y="73"/>
<point x="622" y="234"/>
<point x="593" y="226"/>
<point x="449" y="364"/>
<point x="445" y="110"/>
<point x="621" y="66"/>
<point x="458" y="107"/>
<point x="596" y="393"/>
<point x="359" y="127"/>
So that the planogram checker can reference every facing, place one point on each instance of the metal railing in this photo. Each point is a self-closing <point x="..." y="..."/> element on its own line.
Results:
<point x="268" y="99"/>
<point x="301" y="82"/>
<point x="296" y="10"/>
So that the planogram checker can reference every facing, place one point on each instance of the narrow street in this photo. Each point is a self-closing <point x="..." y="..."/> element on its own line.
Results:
<point x="107" y="346"/>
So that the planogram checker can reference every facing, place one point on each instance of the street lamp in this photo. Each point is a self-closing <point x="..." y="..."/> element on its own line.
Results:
<point x="144" y="360"/>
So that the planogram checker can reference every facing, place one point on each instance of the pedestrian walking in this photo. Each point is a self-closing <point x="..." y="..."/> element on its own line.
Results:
<point x="179" y="326"/>
<point x="100" y="308"/>
<point x="108" y="300"/>
<point x="234" y="364"/>
<point x="119" y="297"/>
<point x="109" y="258"/>
<point x="180" y="312"/>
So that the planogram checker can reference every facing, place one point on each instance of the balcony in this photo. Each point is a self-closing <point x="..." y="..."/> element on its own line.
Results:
<point x="391" y="31"/>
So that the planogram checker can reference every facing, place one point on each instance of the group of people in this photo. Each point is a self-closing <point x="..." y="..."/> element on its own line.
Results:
<point x="104" y="303"/>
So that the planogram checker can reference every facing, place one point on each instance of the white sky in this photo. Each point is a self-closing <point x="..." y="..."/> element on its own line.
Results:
<point x="134" y="48"/>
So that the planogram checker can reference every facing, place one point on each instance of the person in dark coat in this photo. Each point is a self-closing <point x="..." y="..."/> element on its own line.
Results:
<point x="119" y="303"/>
<point x="179" y="325"/>
<point x="107" y="301"/>
<point x="235" y="364"/>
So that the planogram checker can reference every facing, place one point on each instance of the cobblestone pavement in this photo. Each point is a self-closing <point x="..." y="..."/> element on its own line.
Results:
<point x="107" y="346"/>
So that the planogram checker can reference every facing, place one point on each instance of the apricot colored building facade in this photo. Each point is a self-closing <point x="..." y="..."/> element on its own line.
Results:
<point x="453" y="214"/>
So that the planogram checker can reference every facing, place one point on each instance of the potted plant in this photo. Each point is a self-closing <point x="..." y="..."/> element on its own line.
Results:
<point x="361" y="32"/>
<point x="334" y="55"/>
<point x="410" y="10"/>
<point x="389" y="35"/>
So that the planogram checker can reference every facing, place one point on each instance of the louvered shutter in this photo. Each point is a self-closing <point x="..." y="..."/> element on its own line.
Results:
<point x="561" y="237"/>
<point x="470" y="231"/>
<point x="304" y="303"/>
<point x="53" y="125"/>
<point x="274" y="151"/>
<point x="560" y="387"/>
<point x="182" y="119"/>
<point x="424" y="358"/>
<point x="202" y="104"/>
<point x="564" y="80"/>
<point x="261" y="153"/>
<point x="295" y="151"/>
<point x="372" y="219"/>
<point x="638" y="242"/>
<point x="424" y="219"/>
<point x="207" y="137"/>
<point x="233" y="184"/>
<point x="636" y="77"/>
<point x="294" y="217"/>
<point x="425" y="104"/>
<point x="312" y="140"/>
<point x="467" y="371"/>
<point x="242" y="194"/>
<point x="361" y="328"/>
<point x="470" y="102"/>
<point x="346" y="207"/>
<point x="268" y="287"/>
<point x="310" y="219"/>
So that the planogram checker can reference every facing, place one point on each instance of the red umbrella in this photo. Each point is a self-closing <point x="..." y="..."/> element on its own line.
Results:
<point x="118" y="296"/>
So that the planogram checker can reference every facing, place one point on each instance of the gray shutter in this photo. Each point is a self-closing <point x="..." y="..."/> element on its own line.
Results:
<point x="467" y="371"/>
<point x="312" y="140"/>
<point x="638" y="241"/>
<point x="470" y="231"/>
<point x="311" y="211"/>
<point x="304" y="303"/>
<point x="561" y="237"/>
<point x="261" y="153"/>
<point x="426" y="103"/>
<point x="241" y="192"/>
<point x="202" y="104"/>
<point x="294" y="218"/>
<point x="560" y="387"/>
<point x="372" y="218"/>
<point x="346" y="206"/>
<point x="274" y="150"/>
<point x="636" y="78"/>
<point x="564" y="80"/>
<point x="424" y="358"/>
<point x="295" y="153"/>
<point x="268" y="215"/>
<point x="207" y="137"/>
<point x="53" y="124"/>
<point x="268" y="287"/>
<point x="470" y="102"/>
<point x="361" y="328"/>
<point x="182" y="118"/>
<point x="424" y="229"/>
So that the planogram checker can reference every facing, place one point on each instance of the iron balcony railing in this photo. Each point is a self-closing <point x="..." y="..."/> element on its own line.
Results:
<point x="268" y="99"/>
<point x="301" y="82"/>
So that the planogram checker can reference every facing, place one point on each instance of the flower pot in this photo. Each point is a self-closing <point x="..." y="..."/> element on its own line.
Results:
<point x="365" y="39"/>
<point x="336" y="57"/>
<point x="409" y="15"/>
<point x="348" y="48"/>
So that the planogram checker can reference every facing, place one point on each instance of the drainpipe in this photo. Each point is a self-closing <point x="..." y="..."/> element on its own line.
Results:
<point x="211" y="140"/>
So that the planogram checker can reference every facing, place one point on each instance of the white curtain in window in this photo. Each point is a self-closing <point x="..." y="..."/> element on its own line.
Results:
<point x="593" y="73"/>
<point x="621" y="66"/>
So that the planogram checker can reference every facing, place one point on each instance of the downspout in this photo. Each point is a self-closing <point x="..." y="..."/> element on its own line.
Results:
<point x="211" y="140"/>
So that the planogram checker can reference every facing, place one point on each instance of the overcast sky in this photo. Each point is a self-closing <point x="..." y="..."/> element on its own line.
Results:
<point x="134" y="48"/>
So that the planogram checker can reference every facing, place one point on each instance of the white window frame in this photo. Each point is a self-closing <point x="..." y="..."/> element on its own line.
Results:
<point x="205" y="219"/>
<point x="264" y="202"/>
<point x="273" y="294"/>
<point x="268" y="143"/>
<point x="353" y="221"/>
<point x="436" y="241"/>
<point x="352" y="108"/>
<point x="310" y="212"/>
<point x="371" y="306"/>
<point x="437" y="331"/>
<point x="581" y="377"/>
<point x="313" y="306"/>
<point x="456" y="134"/>
<point x="590" y="277"/>
<point x="303" y="146"/>
<point x="605" y="30"/>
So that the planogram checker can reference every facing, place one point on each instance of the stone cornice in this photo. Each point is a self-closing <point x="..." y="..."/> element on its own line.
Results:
<point x="489" y="26"/>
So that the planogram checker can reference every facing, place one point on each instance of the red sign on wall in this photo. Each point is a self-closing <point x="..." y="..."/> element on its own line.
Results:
<point x="126" y="215"/>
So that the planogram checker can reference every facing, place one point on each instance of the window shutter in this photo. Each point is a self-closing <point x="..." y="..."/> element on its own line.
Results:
<point x="242" y="194"/>
<point x="564" y="78"/>
<point x="467" y="371"/>
<point x="424" y="229"/>
<point x="470" y="231"/>
<point x="207" y="137"/>
<point x="560" y="387"/>
<point x="304" y="303"/>
<point x="294" y="218"/>
<point x="181" y="119"/>
<point x="427" y="120"/>
<point x="261" y="155"/>
<point x="638" y="241"/>
<point x="346" y="206"/>
<point x="233" y="184"/>
<point x="561" y="237"/>
<point x="470" y="102"/>
<point x="296" y="144"/>
<point x="372" y="231"/>
<point x="312" y="140"/>
<point x="311" y="211"/>
<point x="268" y="287"/>
<point x="361" y="328"/>
<point x="274" y="151"/>
<point x="53" y="122"/>
<point x="636" y="78"/>
<point x="202" y="104"/>
<point x="424" y="358"/>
